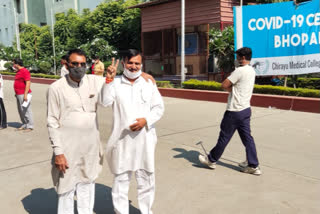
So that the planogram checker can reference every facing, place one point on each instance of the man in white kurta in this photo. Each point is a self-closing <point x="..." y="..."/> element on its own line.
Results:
<point x="73" y="132"/>
<point x="137" y="105"/>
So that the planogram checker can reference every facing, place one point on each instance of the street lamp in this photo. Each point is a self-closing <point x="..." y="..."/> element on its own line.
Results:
<point x="16" y="25"/>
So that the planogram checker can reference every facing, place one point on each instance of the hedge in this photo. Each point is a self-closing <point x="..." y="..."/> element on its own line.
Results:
<point x="47" y="76"/>
<point x="311" y="83"/>
<point x="164" y="84"/>
<point x="262" y="89"/>
<point x="202" y="85"/>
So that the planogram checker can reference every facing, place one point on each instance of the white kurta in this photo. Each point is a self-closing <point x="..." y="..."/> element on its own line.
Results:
<point x="1" y="87"/>
<point x="128" y="150"/>
<point x="73" y="130"/>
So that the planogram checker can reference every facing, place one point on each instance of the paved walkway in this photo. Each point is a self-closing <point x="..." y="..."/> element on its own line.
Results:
<point x="287" y="142"/>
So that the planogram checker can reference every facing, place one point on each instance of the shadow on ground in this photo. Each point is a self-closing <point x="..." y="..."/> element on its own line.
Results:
<point x="192" y="157"/>
<point x="44" y="201"/>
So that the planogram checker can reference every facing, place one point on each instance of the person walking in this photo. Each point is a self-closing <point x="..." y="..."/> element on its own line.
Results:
<point x="237" y="116"/>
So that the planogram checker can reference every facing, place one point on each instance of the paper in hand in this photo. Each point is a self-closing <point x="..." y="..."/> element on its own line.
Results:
<point x="26" y="103"/>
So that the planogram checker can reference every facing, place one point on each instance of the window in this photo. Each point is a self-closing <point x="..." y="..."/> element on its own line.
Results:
<point x="18" y="6"/>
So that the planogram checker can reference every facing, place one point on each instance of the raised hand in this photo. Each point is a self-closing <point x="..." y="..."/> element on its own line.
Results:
<point x="112" y="69"/>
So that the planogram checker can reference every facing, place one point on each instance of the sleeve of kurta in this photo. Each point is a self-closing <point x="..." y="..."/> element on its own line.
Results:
<point x="157" y="108"/>
<point x="53" y="115"/>
<point x="107" y="95"/>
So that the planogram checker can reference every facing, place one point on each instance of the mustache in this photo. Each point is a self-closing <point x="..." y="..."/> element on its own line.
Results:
<point x="133" y="69"/>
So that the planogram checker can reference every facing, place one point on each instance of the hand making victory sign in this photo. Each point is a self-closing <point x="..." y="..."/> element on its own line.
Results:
<point x="112" y="69"/>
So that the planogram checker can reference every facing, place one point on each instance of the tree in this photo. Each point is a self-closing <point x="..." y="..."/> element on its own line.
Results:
<point x="110" y="27"/>
<point x="101" y="48"/>
<point x="115" y="23"/>
<point x="221" y="43"/>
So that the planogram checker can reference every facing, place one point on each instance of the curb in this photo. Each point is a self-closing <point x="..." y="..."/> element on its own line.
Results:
<point x="303" y="104"/>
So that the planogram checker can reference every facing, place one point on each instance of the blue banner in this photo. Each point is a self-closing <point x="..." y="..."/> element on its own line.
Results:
<point x="284" y="37"/>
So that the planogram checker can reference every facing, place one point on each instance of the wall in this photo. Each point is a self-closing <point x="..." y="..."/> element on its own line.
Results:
<point x="168" y="15"/>
<point x="7" y="24"/>
<point x="36" y="12"/>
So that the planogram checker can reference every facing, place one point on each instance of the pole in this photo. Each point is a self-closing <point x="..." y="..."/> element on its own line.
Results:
<point x="17" y="31"/>
<point x="53" y="44"/>
<point x="182" y="40"/>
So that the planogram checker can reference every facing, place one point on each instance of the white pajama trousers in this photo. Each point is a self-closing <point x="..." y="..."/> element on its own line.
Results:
<point x="85" y="199"/>
<point x="146" y="190"/>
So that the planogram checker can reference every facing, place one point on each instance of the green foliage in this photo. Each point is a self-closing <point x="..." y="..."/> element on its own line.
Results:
<point x="107" y="64"/>
<point x="8" y="66"/>
<point x="280" y="90"/>
<point x="99" y="47"/>
<point x="301" y="82"/>
<point x="263" y="89"/>
<point x="98" y="32"/>
<point x="8" y="53"/>
<point x="113" y="22"/>
<point x="164" y="84"/>
<point x="33" y="75"/>
<point x="221" y="43"/>
<point x="202" y="85"/>
<point x="44" y="67"/>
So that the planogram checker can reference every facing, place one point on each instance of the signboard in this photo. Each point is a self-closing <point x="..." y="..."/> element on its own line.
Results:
<point x="284" y="37"/>
<point x="191" y="44"/>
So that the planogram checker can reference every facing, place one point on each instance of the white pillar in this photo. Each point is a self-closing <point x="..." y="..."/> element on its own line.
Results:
<point x="53" y="43"/>
<point x="25" y="6"/>
<point x="182" y="40"/>
<point x="17" y="30"/>
<point x="76" y="7"/>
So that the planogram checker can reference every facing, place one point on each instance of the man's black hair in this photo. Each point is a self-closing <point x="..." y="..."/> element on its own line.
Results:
<point x="128" y="54"/>
<point x="95" y="57"/>
<point x="64" y="57"/>
<point x="246" y="52"/>
<point x="18" y="61"/>
<point x="75" y="51"/>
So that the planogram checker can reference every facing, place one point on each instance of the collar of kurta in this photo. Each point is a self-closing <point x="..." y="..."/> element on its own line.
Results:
<point x="126" y="81"/>
<point x="74" y="84"/>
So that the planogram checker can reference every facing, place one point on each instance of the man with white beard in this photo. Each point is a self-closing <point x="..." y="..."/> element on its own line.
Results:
<point x="137" y="105"/>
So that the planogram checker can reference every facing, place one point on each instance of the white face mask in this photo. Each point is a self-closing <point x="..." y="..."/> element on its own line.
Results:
<point x="14" y="68"/>
<point x="132" y="75"/>
<point x="93" y="61"/>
